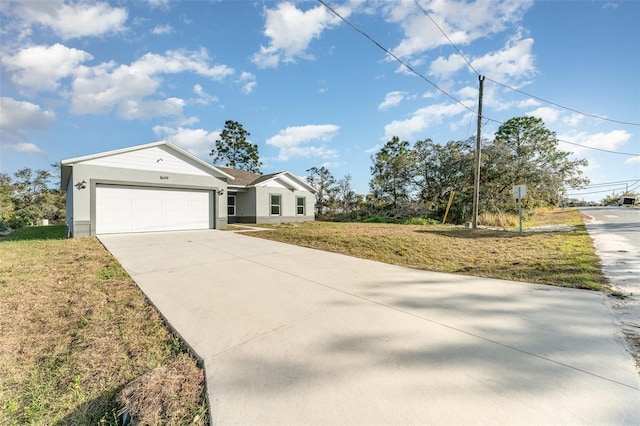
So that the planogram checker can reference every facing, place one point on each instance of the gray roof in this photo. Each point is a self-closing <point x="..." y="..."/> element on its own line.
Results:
<point x="242" y="177"/>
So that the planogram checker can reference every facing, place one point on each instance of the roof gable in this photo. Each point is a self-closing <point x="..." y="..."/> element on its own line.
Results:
<point x="284" y="179"/>
<point x="157" y="156"/>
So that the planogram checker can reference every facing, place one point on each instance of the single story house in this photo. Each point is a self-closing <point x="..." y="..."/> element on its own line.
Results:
<point x="274" y="198"/>
<point x="161" y="187"/>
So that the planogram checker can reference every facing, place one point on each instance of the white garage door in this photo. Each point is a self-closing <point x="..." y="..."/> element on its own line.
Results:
<point x="121" y="209"/>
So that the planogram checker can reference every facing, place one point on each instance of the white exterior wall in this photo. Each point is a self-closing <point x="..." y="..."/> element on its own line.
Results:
<point x="156" y="159"/>
<point x="288" y="208"/>
<point x="69" y="205"/>
<point x="83" y="215"/>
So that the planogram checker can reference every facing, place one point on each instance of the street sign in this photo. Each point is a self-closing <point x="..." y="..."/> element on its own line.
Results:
<point x="519" y="192"/>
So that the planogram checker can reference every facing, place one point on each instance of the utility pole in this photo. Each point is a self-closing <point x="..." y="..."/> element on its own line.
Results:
<point x="476" y="178"/>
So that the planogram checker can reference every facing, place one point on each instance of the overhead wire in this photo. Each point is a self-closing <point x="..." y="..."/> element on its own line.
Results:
<point x="577" y="194"/>
<point x="616" y="183"/>
<point x="394" y="56"/>
<point x="446" y="36"/>
<point x="513" y="88"/>
<point x="414" y="71"/>
<point x="599" y="117"/>
<point x="599" y="149"/>
<point x="602" y="191"/>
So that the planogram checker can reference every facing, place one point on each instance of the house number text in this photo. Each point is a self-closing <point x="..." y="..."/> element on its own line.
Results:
<point x="164" y="177"/>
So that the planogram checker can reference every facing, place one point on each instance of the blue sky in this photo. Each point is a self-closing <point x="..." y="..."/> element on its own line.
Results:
<point x="85" y="77"/>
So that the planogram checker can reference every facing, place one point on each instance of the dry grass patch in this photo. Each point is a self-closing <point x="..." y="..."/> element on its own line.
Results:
<point x="158" y="396"/>
<point x="74" y="330"/>
<point x="565" y="258"/>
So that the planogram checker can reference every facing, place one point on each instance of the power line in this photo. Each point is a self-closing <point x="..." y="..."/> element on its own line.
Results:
<point x="599" y="117"/>
<point x="618" y="187"/>
<point x="388" y="52"/>
<point x="410" y="68"/>
<point x="446" y="36"/>
<point x="634" y="188"/>
<point x="616" y="183"/>
<point x="599" y="149"/>
<point x="512" y="88"/>
<point x="577" y="194"/>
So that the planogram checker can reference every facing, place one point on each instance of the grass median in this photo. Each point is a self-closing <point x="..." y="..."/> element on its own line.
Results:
<point x="564" y="258"/>
<point x="79" y="341"/>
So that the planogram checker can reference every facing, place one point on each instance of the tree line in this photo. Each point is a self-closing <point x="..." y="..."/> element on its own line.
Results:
<point x="420" y="179"/>
<point x="408" y="180"/>
<point x="27" y="199"/>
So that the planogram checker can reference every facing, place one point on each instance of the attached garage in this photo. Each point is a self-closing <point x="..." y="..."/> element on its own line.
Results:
<point x="145" y="188"/>
<point x="123" y="209"/>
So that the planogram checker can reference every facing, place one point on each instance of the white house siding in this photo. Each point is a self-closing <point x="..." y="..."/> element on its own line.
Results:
<point x="84" y="200"/>
<point x="69" y="204"/>
<point x="158" y="158"/>
<point x="288" y="205"/>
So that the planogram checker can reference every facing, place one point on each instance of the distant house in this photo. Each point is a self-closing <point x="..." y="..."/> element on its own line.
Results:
<point x="161" y="187"/>
<point x="273" y="198"/>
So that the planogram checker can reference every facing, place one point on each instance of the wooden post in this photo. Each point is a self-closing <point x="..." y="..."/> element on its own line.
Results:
<point x="446" y="212"/>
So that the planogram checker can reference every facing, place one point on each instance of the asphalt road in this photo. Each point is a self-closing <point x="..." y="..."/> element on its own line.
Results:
<point x="616" y="235"/>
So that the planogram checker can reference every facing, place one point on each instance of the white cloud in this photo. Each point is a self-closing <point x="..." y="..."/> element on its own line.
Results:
<point x="100" y="89"/>
<point x="159" y="3"/>
<point x="203" y="97"/>
<point x="392" y="99"/>
<point x="293" y="141"/>
<point x="73" y="20"/>
<point x="610" y="141"/>
<point x="40" y="68"/>
<point x="248" y="82"/>
<point x="573" y="119"/>
<point x="467" y="92"/>
<point x="291" y="30"/>
<point x="462" y="21"/>
<point x="421" y="120"/>
<point x="162" y="29"/>
<point x="26" y="148"/>
<point x="547" y="114"/>
<point x="528" y="103"/>
<point x="176" y="61"/>
<point x="199" y="142"/>
<point x="19" y="117"/>
<point x="513" y="62"/>
<point x="136" y="109"/>
<point x="331" y="164"/>
<point x="446" y="67"/>
<point x="632" y="160"/>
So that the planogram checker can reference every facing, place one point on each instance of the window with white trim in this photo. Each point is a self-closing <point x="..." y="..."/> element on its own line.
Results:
<point x="276" y="202"/>
<point x="300" y="205"/>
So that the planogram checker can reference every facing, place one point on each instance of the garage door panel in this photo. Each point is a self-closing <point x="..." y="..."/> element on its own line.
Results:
<point x="121" y="209"/>
<point x="144" y="214"/>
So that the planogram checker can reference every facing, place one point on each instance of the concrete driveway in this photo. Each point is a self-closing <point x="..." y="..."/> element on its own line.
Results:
<point x="294" y="336"/>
